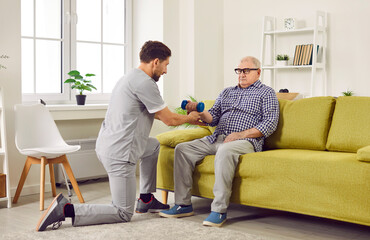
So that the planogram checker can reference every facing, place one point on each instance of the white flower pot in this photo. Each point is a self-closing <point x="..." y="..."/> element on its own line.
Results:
<point x="281" y="62"/>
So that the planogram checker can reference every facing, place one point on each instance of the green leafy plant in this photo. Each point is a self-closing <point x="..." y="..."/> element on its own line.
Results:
<point x="79" y="82"/>
<point x="348" y="93"/>
<point x="281" y="57"/>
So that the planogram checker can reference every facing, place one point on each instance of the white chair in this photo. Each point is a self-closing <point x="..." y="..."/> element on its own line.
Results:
<point x="37" y="137"/>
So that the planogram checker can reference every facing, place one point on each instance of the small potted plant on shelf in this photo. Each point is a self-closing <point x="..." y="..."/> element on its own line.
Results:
<point x="348" y="93"/>
<point x="282" y="60"/>
<point x="81" y="84"/>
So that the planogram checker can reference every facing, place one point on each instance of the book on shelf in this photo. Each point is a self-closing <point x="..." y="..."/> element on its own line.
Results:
<point x="297" y="54"/>
<point x="309" y="55"/>
<point x="318" y="57"/>
<point x="295" y="59"/>
<point x="304" y="53"/>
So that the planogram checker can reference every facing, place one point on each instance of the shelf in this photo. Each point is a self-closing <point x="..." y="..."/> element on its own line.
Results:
<point x="292" y="66"/>
<point x="275" y="41"/>
<point x="300" y="30"/>
<point x="289" y="31"/>
<point x="78" y="112"/>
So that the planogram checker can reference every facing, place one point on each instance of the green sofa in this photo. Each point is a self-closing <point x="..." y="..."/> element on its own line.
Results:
<point x="316" y="163"/>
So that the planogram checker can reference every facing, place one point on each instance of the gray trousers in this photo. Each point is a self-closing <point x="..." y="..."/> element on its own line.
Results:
<point x="122" y="182"/>
<point x="188" y="154"/>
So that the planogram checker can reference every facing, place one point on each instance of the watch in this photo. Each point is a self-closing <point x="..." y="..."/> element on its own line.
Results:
<point x="289" y="23"/>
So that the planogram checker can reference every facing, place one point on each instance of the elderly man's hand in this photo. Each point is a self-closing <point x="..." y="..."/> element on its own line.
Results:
<point x="194" y="118"/>
<point x="234" y="136"/>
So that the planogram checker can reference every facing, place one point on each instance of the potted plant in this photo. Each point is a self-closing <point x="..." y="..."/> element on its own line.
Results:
<point x="81" y="84"/>
<point x="348" y="93"/>
<point x="282" y="60"/>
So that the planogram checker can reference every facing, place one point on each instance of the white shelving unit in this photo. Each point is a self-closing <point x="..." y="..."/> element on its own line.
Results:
<point x="3" y="150"/>
<point x="315" y="35"/>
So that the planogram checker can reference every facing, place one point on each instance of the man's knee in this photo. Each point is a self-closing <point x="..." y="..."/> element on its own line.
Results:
<point x="181" y="148"/>
<point x="224" y="151"/>
<point x="124" y="215"/>
<point x="154" y="144"/>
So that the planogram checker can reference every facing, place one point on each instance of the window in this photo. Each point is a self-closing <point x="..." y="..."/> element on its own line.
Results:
<point x="91" y="36"/>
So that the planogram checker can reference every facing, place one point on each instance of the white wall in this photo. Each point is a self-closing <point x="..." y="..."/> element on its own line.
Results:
<point x="193" y="29"/>
<point x="147" y="25"/>
<point x="207" y="39"/>
<point x="348" y="38"/>
<point x="10" y="79"/>
<point x="209" y="45"/>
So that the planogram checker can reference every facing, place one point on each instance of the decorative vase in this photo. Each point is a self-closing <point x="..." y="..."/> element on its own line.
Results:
<point x="80" y="99"/>
<point x="281" y="62"/>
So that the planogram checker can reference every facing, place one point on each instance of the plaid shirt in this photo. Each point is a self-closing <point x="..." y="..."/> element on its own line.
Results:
<point x="237" y="109"/>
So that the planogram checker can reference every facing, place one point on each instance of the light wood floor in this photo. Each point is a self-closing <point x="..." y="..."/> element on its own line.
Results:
<point x="273" y="224"/>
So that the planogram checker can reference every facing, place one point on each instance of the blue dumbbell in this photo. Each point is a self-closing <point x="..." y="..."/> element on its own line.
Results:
<point x="199" y="107"/>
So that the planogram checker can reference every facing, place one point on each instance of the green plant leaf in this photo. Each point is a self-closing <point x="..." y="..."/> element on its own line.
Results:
<point x="181" y="111"/>
<point x="87" y="88"/>
<point x="70" y="80"/>
<point x="89" y="74"/>
<point x="348" y="93"/>
<point x="192" y="98"/>
<point x="74" y="73"/>
<point x="92" y="86"/>
<point x="79" y="77"/>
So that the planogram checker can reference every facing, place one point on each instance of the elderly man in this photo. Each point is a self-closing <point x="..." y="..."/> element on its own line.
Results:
<point x="244" y="115"/>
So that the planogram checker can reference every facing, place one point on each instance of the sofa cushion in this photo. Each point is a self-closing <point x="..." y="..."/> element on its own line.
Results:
<point x="350" y="129"/>
<point x="363" y="154"/>
<point x="172" y="138"/>
<point x="320" y="183"/>
<point x="303" y="124"/>
<point x="207" y="105"/>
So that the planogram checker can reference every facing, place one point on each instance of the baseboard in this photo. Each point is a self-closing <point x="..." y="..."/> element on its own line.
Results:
<point x="31" y="189"/>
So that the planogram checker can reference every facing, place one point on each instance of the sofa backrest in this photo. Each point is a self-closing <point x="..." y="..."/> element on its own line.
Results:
<point x="303" y="124"/>
<point x="350" y="128"/>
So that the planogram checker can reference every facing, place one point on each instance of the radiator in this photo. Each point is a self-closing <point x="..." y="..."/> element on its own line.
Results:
<point x="84" y="163"/>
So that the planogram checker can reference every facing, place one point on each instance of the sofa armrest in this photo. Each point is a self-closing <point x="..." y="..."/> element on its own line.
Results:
<point x="175" y="137"/>
<point x="363" y="154"/>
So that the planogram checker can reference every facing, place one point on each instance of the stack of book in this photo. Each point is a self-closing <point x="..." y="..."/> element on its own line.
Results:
<point x="303" y="54"/>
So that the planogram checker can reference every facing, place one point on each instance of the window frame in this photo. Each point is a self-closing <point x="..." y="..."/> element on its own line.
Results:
<point x="68" y="54"/>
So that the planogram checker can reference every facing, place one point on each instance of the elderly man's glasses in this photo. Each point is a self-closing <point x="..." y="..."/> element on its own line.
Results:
<point x="244" y="70"/>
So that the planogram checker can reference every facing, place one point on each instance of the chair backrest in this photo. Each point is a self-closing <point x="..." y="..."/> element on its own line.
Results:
<point x="35" y="127"/>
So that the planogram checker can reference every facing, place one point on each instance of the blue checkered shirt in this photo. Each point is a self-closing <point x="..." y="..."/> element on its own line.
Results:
<point x="237" y="109"/>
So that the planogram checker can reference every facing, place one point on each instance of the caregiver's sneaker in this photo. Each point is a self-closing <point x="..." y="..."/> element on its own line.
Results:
<point x="152" y="206"/>
<point x="54" y="214"/>
<point x="177" y="211"/>
<point x="215" y="219"/>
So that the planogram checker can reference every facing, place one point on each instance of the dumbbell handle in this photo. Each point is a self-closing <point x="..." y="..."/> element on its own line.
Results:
<point x="190" y="106"/>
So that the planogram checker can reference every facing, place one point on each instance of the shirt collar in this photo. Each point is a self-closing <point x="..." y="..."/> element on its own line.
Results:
<point x="256" y="84"/>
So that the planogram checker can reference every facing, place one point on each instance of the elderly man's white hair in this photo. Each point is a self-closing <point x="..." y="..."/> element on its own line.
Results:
<point x="254" y="60"/>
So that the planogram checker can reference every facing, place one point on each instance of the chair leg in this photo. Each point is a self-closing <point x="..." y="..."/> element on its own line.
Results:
<point x="72" y="178"/>
<point x="164" y="196"/>
<point x="52" y="180"/>
<point x="22" y="179"/>
<point x="42" y="182"/>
